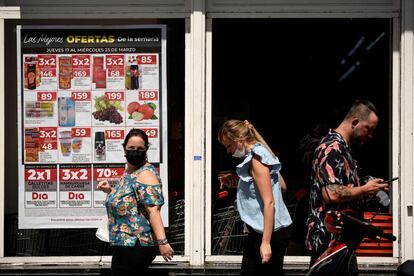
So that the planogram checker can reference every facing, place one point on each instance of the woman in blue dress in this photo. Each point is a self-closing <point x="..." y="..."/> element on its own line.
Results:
<point x="133" y="206"/>
<point x="259" y="198"/>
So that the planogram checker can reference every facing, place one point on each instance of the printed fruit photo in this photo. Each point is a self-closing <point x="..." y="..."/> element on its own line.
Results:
<point x="137" y="116"/>
<point x="106" y="110"/>
<point x="139" y="112"/>
<point x="146" y="110"/>
<point x="132" y="107"/>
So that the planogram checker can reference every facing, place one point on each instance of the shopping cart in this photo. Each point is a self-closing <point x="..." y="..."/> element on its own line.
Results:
<point x="228" y="231"/>
<point x="175" y="231"/>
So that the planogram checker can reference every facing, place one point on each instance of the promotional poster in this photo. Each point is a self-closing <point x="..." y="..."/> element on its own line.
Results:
<point x="81" y="89"/>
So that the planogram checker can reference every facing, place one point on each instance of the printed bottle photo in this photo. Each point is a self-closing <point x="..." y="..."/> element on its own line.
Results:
<point x="134" y="77"/>
<point x="66" y="112"/>
<point x="100" y="146"/>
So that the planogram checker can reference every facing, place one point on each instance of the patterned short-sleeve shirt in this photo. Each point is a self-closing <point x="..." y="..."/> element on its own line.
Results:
<point x="128" y="219"/>
<point x="333" y="163"/>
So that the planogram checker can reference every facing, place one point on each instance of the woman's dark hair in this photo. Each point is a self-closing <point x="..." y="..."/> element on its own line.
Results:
<point x="137" y="132"/>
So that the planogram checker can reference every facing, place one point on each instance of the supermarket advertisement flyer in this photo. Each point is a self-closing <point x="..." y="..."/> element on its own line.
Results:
<point x="81" y="89"/>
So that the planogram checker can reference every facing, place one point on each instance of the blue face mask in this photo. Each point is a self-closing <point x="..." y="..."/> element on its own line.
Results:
<point x="136" y="158"/>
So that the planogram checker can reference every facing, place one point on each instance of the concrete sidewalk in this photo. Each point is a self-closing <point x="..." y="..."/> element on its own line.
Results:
<point x="167" y="270"/>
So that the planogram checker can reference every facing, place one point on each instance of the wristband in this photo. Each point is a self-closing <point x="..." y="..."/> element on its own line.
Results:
<point x="162" y="241"/>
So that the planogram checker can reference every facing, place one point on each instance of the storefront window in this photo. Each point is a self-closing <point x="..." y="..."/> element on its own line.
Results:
<point x="82" y="242"/>
<point x="293" y="79"/>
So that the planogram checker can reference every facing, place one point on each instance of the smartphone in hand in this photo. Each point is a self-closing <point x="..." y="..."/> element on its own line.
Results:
<point x="388" y="181"/>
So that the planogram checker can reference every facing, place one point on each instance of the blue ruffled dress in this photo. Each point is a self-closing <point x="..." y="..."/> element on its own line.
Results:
<point x="249" y="202"/>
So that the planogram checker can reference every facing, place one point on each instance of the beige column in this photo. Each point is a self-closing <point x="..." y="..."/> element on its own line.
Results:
<point x="195" y="136"/>
<point x="407" y="130"/>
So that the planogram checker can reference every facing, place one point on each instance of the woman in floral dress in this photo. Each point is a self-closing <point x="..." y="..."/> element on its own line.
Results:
<point x="136" y="230"/>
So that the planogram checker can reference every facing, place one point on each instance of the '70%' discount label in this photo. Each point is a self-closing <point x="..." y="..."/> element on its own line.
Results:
<point x="109" y="172"/>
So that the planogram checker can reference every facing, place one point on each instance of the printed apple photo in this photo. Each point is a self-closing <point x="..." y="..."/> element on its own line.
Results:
<point x="142" y="112"/>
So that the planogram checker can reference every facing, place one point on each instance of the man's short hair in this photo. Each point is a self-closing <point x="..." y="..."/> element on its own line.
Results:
<point x="361" y="110"/>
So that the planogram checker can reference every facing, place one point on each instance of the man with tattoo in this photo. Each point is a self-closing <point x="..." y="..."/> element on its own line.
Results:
<point x="334" y="179"/>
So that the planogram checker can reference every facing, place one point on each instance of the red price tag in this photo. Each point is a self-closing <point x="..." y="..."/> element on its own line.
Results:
<point x="48" y="145"/>
<point x="81" y="61"/>
<point x="148" y="95"/>
<point x="47" y="65"/>
<point x="114" y="61"/>
<point x="151" y="132"/>
<point x="75" y="174"/>
<point x="48" y="133"/>
<point x="147" y="59"/>
<point x="46" y="96"/>
<point x="115" y="65"/>
<point x="81" y="73"/>
<point x="102" y="173"/>
<point x="47" y="61"/>
<point x="40" y="174"/>
<point x="46" y="73"/>
<point x="114" y="96"/>
<point x="81" y="132"/>
<point x="81" y="66"/>
<point x="116" y="72"/>
<point x="48" y="138"/>
<point x="114" y="134"/>
<point x="81" y="96"/>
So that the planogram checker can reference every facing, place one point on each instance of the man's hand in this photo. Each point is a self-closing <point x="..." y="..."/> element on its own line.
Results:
<point x="373" y="186"/>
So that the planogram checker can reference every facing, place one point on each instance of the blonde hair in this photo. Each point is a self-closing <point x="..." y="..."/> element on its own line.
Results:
<point x="237" y="130"/>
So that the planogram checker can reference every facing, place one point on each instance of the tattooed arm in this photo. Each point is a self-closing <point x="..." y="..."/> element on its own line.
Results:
<point x="336" y="193"/>
<point x="334" y="167"/>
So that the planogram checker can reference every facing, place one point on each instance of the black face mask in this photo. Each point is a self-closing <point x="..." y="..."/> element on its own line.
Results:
<point x="136" y="157"/>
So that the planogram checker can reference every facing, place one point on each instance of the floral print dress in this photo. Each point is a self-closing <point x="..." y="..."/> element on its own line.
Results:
<point x="128" y="219"/>
<point x="333" y="163"/>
